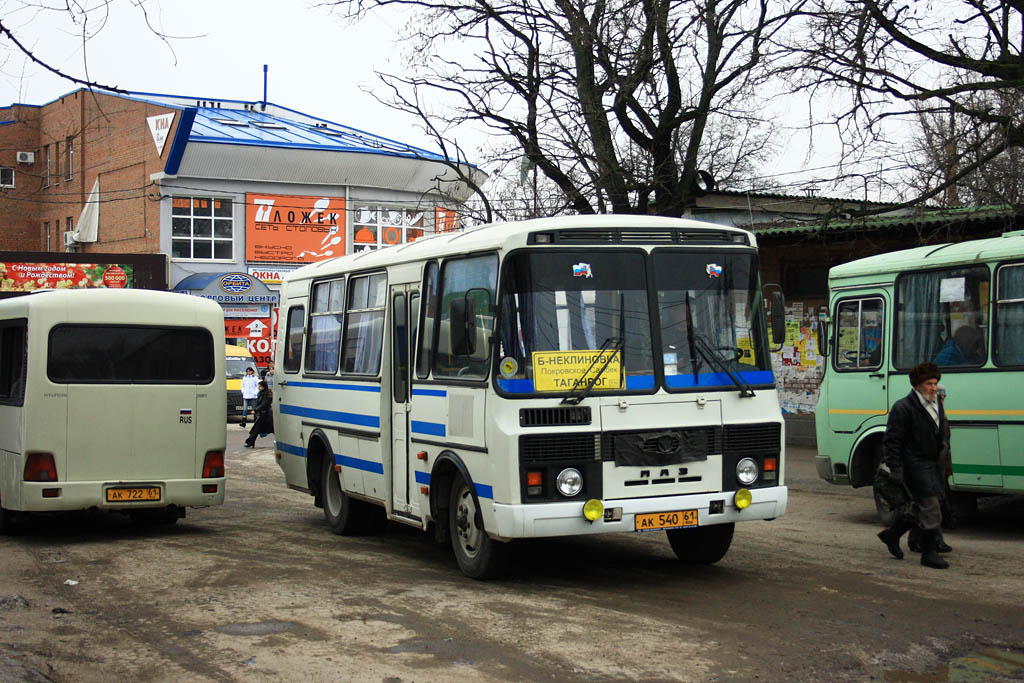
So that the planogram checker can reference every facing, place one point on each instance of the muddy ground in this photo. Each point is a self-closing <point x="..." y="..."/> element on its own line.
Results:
<point x="259" y="589"/>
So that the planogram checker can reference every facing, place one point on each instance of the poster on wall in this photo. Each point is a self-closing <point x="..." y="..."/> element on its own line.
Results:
<point x="28" y="277"/>
<point x="293" y="229"/>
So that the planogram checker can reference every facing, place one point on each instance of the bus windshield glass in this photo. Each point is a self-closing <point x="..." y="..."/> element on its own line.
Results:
<point x="710" y="316"/>
<point x="236" y="366"/>
<point x="571" y="319"/>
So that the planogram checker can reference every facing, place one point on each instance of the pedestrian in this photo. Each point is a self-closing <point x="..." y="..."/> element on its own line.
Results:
<point x="915" y="435"/>
<point x="250" y="388"/>
<point x="948" y="516"/>
<point x="268" y="376"/>
<point x="263" y="422"/>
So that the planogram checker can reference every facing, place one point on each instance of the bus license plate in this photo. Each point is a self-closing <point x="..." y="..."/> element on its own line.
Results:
<point x="665" y="520"/>
<point x="126" y="495"/>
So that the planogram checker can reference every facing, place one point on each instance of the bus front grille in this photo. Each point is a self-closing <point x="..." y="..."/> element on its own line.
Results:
<point x="559" y="416"/>
<point x="542" y="448"/>
<point x="753" y="439"/>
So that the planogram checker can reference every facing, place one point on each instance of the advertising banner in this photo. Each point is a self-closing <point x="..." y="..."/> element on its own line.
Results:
<point x="249" y="328"/>
<point x="293" y="229"/>
<point x="27" y="277"/>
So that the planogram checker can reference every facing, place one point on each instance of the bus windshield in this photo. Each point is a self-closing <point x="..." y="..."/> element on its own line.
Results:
<point x="710" y="318"/>
<point x="557" y="306"/>
<point x="236" y="365"/>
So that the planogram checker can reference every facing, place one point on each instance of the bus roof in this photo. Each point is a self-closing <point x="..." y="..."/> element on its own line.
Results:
<point x="127" y="305"/>
<point x="1007" y="246"/>
<point x="504" y="235"/>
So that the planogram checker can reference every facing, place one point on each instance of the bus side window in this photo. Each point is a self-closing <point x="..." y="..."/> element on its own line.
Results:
<point x="12" y="363"/>
<point x="472" y="281"/>
<point x="364" y="325"/>
<point x="859" y="335"/>
<point x="293" y="340"/>
<point x="325" y="312"/>
<point x="1008" y="346"/>
<point x="425" y="354"/>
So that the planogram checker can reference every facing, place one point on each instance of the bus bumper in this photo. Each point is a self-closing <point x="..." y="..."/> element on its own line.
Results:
<point x="82" y="495"/>
<point x="566" y="519"/>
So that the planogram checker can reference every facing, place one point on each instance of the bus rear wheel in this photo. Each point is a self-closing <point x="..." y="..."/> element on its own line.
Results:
<point x="702" y="544"/>
<point x="341" y="512"/>
<point x="479" y="556"/>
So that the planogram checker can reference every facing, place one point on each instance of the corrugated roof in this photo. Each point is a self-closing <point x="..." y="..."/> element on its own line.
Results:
<point x="924" y="218"/>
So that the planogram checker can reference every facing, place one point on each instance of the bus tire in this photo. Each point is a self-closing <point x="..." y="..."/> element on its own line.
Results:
<point x="479" y="556"/>
<point x="340" y="511"/>
<point x="702" y="544"/>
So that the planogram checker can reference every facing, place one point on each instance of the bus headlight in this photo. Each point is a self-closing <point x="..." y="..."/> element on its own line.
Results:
<point x="746" y="471"/>
<point x="569" y="482"/>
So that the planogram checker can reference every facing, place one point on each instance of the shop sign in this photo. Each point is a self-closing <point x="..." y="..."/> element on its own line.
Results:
<point x="28" y="277"/>
<point x="253" y="311"/>
<point x="249" y="328"/>
<point x="269" y="276"/>
<point x="237" y="289"/>
<point x="293" y="229"/>
<point x="261" y="350"/>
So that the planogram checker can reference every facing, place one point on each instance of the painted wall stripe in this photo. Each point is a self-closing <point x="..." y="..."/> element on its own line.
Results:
<point x="291" y="449"/>
<point x="359" y="463"/>
<point x="332" y="415"/>
<point x="430" y="428"/>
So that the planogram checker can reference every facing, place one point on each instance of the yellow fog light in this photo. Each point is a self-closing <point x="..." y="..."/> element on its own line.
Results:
<point x="742" y="499"/>
<point x="593" y="510"/>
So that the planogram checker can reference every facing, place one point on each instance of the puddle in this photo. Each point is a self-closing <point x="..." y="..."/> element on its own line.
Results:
<point x="977" y="667"/>
<point x="261" y="628"/>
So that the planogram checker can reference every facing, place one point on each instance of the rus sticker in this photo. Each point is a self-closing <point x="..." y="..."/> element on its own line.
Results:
<point x="713" y="270"/>
<point x="582" y="270"/>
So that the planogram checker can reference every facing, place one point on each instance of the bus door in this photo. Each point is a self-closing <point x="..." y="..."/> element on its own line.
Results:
<point x="405" y="302"/>
<point x="858" y="380"/>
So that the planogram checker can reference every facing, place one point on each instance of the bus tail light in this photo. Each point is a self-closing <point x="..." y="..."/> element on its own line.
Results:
<point x="40" y="467"/>
<point x="534" y="483"/>
<point x="213" y="465"/>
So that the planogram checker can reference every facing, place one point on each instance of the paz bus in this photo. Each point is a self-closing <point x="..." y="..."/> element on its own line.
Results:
<point x="111" y="399"/>
<point x="546" y="378"/>
<point x="959" y="305"/>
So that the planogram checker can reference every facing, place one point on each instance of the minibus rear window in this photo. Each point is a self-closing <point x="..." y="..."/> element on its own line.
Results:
<point x="130" y="354"/>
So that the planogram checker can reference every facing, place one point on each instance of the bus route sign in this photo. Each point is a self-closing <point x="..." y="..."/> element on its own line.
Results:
<point x="560" y="370"/>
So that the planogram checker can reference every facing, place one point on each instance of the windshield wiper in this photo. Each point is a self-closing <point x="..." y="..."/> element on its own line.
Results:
<point x="705" y="349"/>
<point x="572" y="398"/>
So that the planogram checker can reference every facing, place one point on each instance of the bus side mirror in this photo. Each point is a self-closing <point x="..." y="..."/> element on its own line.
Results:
<point x="778" y="318"/>
<point x="463" y="327"/>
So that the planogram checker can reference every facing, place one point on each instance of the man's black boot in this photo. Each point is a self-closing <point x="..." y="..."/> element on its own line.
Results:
<point x="914" y="539"/>
<point x="891" y="536"/>
<point x="929" y="553"/>
<point x="940" y="543"/>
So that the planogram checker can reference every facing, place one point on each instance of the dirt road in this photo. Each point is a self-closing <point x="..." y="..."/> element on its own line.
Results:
<point x="259" y="589"/>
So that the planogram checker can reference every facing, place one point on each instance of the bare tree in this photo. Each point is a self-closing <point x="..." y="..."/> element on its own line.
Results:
<point x="899" y="61"/>
<point x="611" y="101"/>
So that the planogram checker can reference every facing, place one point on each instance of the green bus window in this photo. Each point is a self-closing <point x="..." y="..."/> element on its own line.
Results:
<point x="942" y="317"/>
<point x="1008" y="345"/>
<point x="859" y="334"/>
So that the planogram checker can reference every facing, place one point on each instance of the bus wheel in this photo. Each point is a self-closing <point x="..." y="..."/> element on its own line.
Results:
<point x="340" y="511"/>
<point x="702" y="544"/>
<point x="479" y="556"/>
<point x="885" y="515"/>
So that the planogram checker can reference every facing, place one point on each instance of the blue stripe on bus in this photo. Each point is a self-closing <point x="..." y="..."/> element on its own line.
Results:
<point x="359" y="463"/>
<point x="332" y="415"/>
<point x="290" y="449"/>
<point x="429" y="392"/>
<point x="430" y="428"/>
<point x="423" y="478"/>
<point x="639" y="382"/>
<point x="373" y="388"/>
<point x="718" y="379"/>
<point x="484" y="491"/>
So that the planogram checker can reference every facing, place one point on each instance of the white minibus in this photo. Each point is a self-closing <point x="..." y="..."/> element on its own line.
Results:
<point x="111" y="399"/>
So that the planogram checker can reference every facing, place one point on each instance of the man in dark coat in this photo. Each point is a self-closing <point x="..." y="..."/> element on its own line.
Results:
<point x="915" y="436"/>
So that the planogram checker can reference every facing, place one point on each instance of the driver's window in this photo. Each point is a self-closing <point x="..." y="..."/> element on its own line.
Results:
<point x="472" y="282"/>
<point x="859" y="334"/>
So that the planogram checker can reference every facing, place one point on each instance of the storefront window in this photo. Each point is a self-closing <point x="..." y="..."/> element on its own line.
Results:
<point x="382" y="226"/>
<point x="202" y="228"/>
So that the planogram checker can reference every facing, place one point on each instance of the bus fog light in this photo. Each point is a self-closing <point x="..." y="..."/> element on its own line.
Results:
<point x="742" y="499"/>
<point x="746" y="471"/>
<point x="569" y="482"/>
<point x="593" y="510"/>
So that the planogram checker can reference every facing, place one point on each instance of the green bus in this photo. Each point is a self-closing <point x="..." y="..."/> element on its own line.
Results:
<point x="959" y="305"/>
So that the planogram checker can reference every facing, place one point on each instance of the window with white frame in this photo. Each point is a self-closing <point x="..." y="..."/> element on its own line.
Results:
<point x="69" y="145"/>
<point x="202" y="228"/>
<point x="375" y="226"/>
<point x="6" y="176"/>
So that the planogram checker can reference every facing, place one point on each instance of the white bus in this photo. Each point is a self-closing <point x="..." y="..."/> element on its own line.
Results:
<point x="547" y="378"/>
<point x="111" y="399"/>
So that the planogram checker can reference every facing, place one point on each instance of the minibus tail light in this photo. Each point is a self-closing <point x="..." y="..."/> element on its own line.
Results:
<point x="40" y="467"/>
<point x="213" y="465"/>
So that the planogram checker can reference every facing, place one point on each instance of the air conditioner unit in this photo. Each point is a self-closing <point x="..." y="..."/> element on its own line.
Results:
<point x="26" y="157"/>
<point x="69" y="238"/>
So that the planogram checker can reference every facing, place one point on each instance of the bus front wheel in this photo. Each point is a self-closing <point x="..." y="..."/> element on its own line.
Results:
<point x="479" y="556"/>
<point x="340" y="511"/>
<point x="702" y="544"/>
